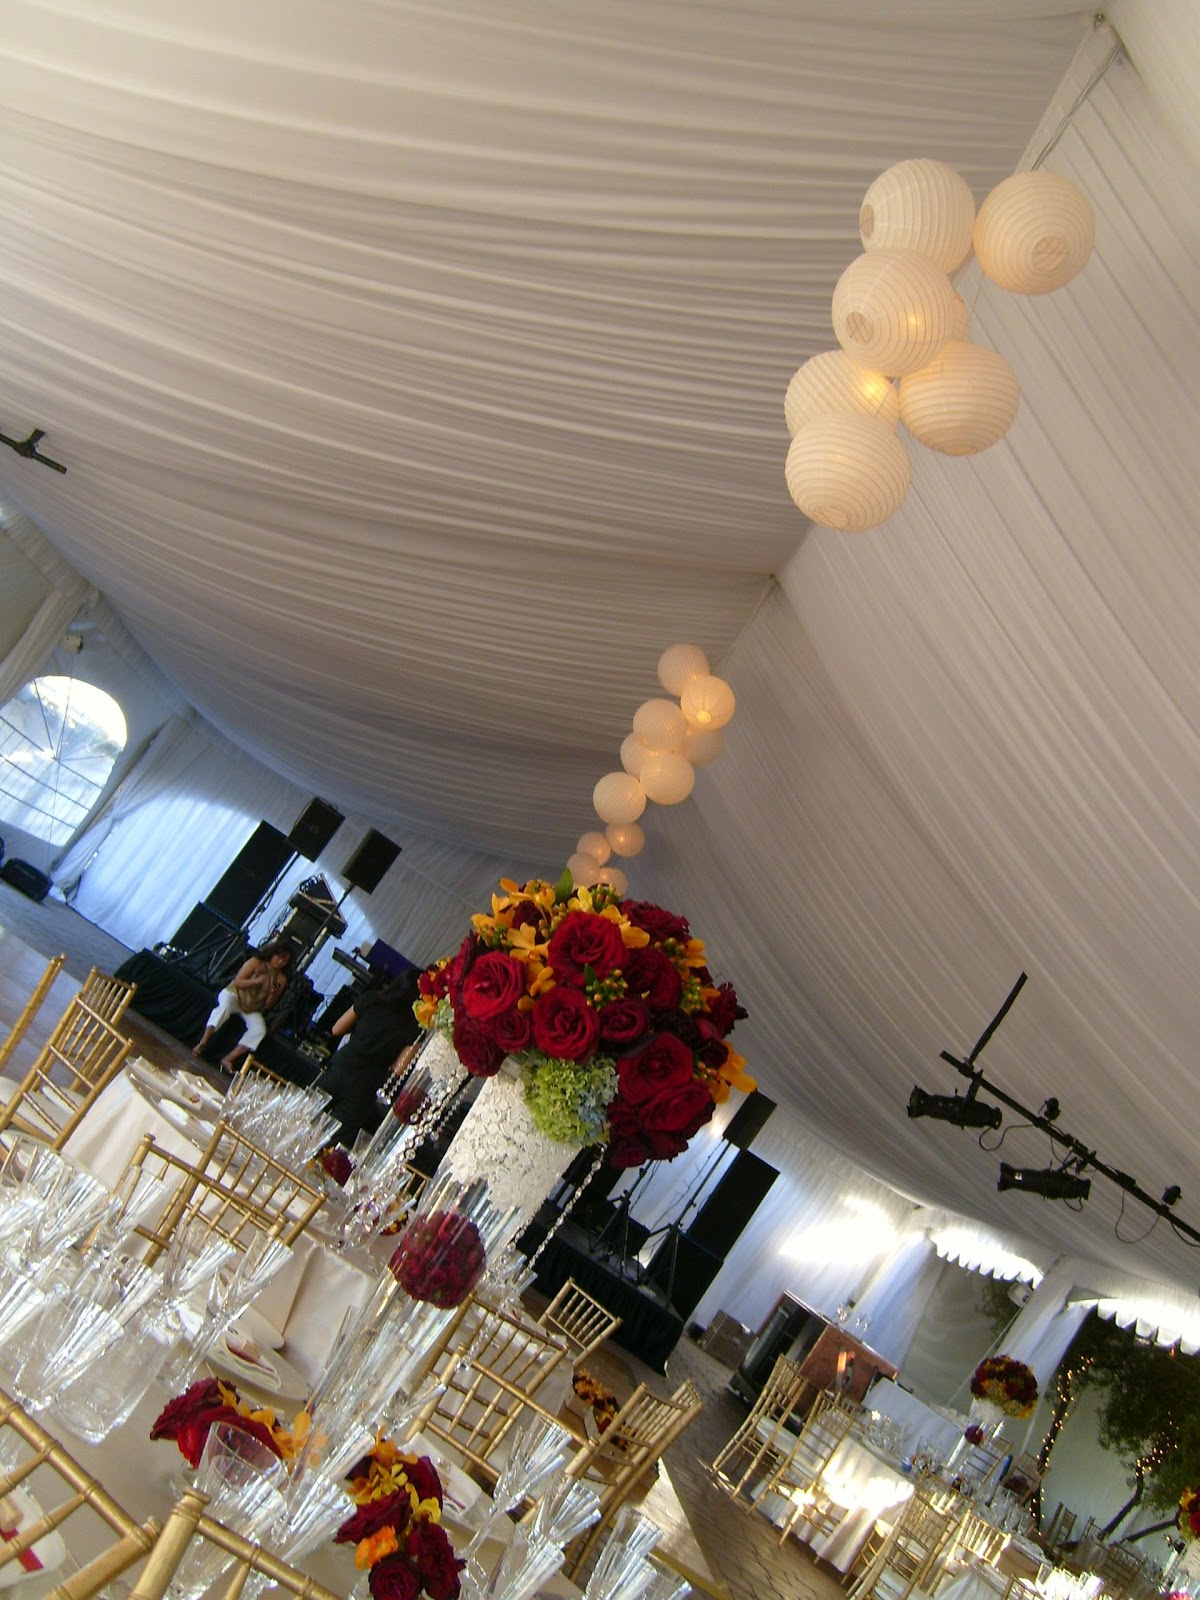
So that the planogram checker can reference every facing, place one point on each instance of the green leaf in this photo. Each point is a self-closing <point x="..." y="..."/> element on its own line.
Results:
<point x="564" y="886"/>
<point x="589" y="975"/>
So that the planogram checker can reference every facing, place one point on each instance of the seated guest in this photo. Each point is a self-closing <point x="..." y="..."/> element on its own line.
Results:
<point x="380" y="1024"/>
<point x="259" y="985"/>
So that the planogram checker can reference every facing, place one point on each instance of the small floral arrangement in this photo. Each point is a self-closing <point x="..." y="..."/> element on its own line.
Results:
<point x="608" y="1007"/>
<point x="1187" y="1519"/>
<point x="974" y="1433"/>
<point x="602" y="1401"/>
<point x="1007" y="1384"/>
<point x="396" y="1527"/>
<point x="187" y="1418"/>
<point x="440" y="1259"/>
<point x="336" y="1164"/>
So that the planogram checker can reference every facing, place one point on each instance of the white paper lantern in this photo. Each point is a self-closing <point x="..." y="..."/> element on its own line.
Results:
<point x="960" y="328"/>
<point x="834" y="382"/>
<point x="659" y="724"/>
<point x="1034" y="232"/>
<point x="708" y="703"/>
<point x="679" y="664"/>
<point x="626" y="838"/>
<point x="583" y="868"/>
<point x="963" y="402"/>
<point x="595" y="844"/>
<point x="703" y="745"/>
<point x="667" y="776"/>
<point x="920" y="205"/>
<point x="618" y="797"/>
<point x="849" y="473"/>
<point x="893" y="311"/>
<point x="633" y="753"/>
<point x="614" y="878"/>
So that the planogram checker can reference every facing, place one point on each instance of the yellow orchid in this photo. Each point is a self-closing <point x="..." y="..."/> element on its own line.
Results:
<point x="523" y="943"/>
<point x="542" y="982"/>
<point x="482" y="923"/>
<point x="634" y="938"/>
<point x="693" y="955"/>
<point x="733" y="1071"/>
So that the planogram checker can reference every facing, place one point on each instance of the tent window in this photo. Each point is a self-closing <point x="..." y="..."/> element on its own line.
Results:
<point x="59" y="739"/>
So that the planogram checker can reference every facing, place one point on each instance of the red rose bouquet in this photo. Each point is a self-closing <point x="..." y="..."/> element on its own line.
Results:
<point x="440" y="1258"/>
<point x="1187" y="1519"/>
<point x="396" y="1526"/>
<point x="607" y="1005"/>
<point x="187" y="1418"/>
<point x="336" y="1164"/>
<point x="1007" y="1384"/>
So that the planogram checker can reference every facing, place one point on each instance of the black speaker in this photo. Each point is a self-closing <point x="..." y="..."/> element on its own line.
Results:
<point x="253" y="871"/>
<point x="747" y="1122"/>
<point x="370" y="861"/>
<point x="694" y="1269"/>
<point x="720" y="1220"/>
<point x="314" y="828"/>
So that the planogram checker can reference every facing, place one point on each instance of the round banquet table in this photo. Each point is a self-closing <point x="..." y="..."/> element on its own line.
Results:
<point x="871" y="1485"/>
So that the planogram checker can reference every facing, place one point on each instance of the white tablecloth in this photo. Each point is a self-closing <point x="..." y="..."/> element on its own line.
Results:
<point x="917" y="1420"/>
<point x="870" y="1485"/>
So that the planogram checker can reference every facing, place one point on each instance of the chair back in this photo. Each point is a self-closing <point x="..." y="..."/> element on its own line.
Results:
<point x="80" y="1059"/>
<point x="1023" y="1478"/>
<point x="581" y="1322"/>
<point x="1120" y="1568"/>
<point x="763" y="1440"/>
<point x="235" y="1189"/>
<point x="30" y="1009"/>
<point x="911" y="1555"/>
<point x="33" y="1451"/>
<point x="107" y="996"/>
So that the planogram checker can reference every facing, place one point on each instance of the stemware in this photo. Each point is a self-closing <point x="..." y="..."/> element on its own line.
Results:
<point x="566" y="1511"/>
<point x="244" y="1482"/>
<point x="538" y="1451"/>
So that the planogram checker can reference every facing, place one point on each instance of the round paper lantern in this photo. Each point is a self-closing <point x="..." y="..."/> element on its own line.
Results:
<point x="614" y="878"/>
<point x="893" y="311"/>
<point x="703" y="745"/>
<point x="659" y="724"/>
<point x="849" y="473"/>
<point x="834" y="381"/>
<point x="960" y="328"/>
<point x="583" y="868"/>
<point x="1034" y="232"/>
<point x="626" y="838"/>
<point x="920" y="205"/>
<point x="633" y="753"/>
<point x="679" y="664"/>
<point x="962" y="402"/>
<point x="595" y="844"/>
<point x="708" y="703"/>
<point x="618" y="797"/>
<point x="667" y="776"/>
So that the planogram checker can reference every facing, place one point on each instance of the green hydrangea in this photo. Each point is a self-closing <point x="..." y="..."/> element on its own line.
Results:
<point x="443" y="1017"/>
<point x="569" y="1100"/>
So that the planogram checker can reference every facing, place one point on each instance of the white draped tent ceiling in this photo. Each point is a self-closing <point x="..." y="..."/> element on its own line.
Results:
<point x="419" y="369"/>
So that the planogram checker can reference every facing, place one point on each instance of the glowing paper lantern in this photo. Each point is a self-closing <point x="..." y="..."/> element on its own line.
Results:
<point x="633" y="753"/>
<point x="849" y="473"/>
<point x="614" y="878"/>
<point x="920" y="205"/>
<point x="583" y="868"/>
<point x="834" y="381"/>
<point x="679" y="664"/>
<point x="708" y="703"/>
<point x="963" y="402"/>
<point x="703" y="745"/>
<point x="668" y="777"/>
<point x="595" y="844"/>
<point x="626" y="838"/>
<point x="659" y="724"/>
<point x="618" y="797"/>
<point x="893" y="311"/>
<point x="1034" y="232"/>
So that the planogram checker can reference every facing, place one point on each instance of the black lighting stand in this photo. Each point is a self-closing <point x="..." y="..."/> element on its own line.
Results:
<point x="216" y="955"/>
<point x="671" y="1231"/>
<point x="619" y="1222"/>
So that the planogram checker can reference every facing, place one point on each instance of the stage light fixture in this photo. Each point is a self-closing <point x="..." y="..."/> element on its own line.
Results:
<point x="1171" y="1195"/>
<point x="964" y="1112"/>
<point x="1052" y="1183"/>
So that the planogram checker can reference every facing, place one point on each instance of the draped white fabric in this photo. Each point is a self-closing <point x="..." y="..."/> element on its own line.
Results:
<point x="890" y="1306"/>
<point x="29" y="654"/>
<point x="1047" y="1323"/>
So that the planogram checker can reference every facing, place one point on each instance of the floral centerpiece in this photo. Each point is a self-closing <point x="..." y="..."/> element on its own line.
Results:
<point x="1187" y="1519"/>
<point x="396" y="1527"/>
<point x="187" y="1418"/>
<point x="598" y="1398"/>
<point x="1006" y="1384"/>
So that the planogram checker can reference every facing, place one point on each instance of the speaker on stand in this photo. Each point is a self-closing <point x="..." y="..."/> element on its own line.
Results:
<point x="314" y="828"/>
<point x="370" y="861"/>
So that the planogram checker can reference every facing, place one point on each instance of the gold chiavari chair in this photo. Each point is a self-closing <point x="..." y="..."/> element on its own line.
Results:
<point x="974" y="1542"/>
<point x="38" y="1453"/>
<point x="491" y="1375"/>
<point x="909" y="1557"/>
<point x="107" y="996"/>
<point x="798" y="1475"/>
<point x="234" y="1188"/>
<point x="978" y="1463"/>
<point x="1023" y="1478"/>
<point x="30" y="1010"/>
<point x="618" y="1461"/>
<point x="763" y="1440"/>
<point x="582" y="1323"/>
<point x="252" y="1067"/>
<point x="1120" y="1569"/>
<point x="1056" y="1534"/>
<point x="187" y="1522"/>
<point x="72" y="1069"/>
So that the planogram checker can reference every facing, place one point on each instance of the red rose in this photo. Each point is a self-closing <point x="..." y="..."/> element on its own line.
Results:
<point x="394" y="1578"/>
<point x="440" y="1258"/>
<point x="678" y="1113"/>
<point x="458" y="969"/>
<point x="526" y="914"/>
<point x="628" y="1145"/>
<point x="662" y="1065"/>
<point x="724" y="1011"/>
<point x="434" y="982"/>
<point x="650" y="973"/>
<point x="389" y="1511"/>
<point x="477" y="1050"/>
<point x="624" y="1021"/>
<point x="652" y="919"/>
<point x="493" y="986"/>
<point x="1194" y="1521"/>
<point x="423" y="1476"/>
<point x="710" y="1046"/>
<point x="564" y="1024"/>
<point x="583" y="939"/>
<point x="409" y="1104"/>
<point x="513" y="1031"/>
<point x="433" y="1553"/>
<point x="336" y="1162"/>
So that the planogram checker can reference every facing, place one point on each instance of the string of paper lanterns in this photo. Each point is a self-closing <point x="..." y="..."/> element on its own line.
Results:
<point x="896" y="315"/>
<point x="670" y="739"/>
